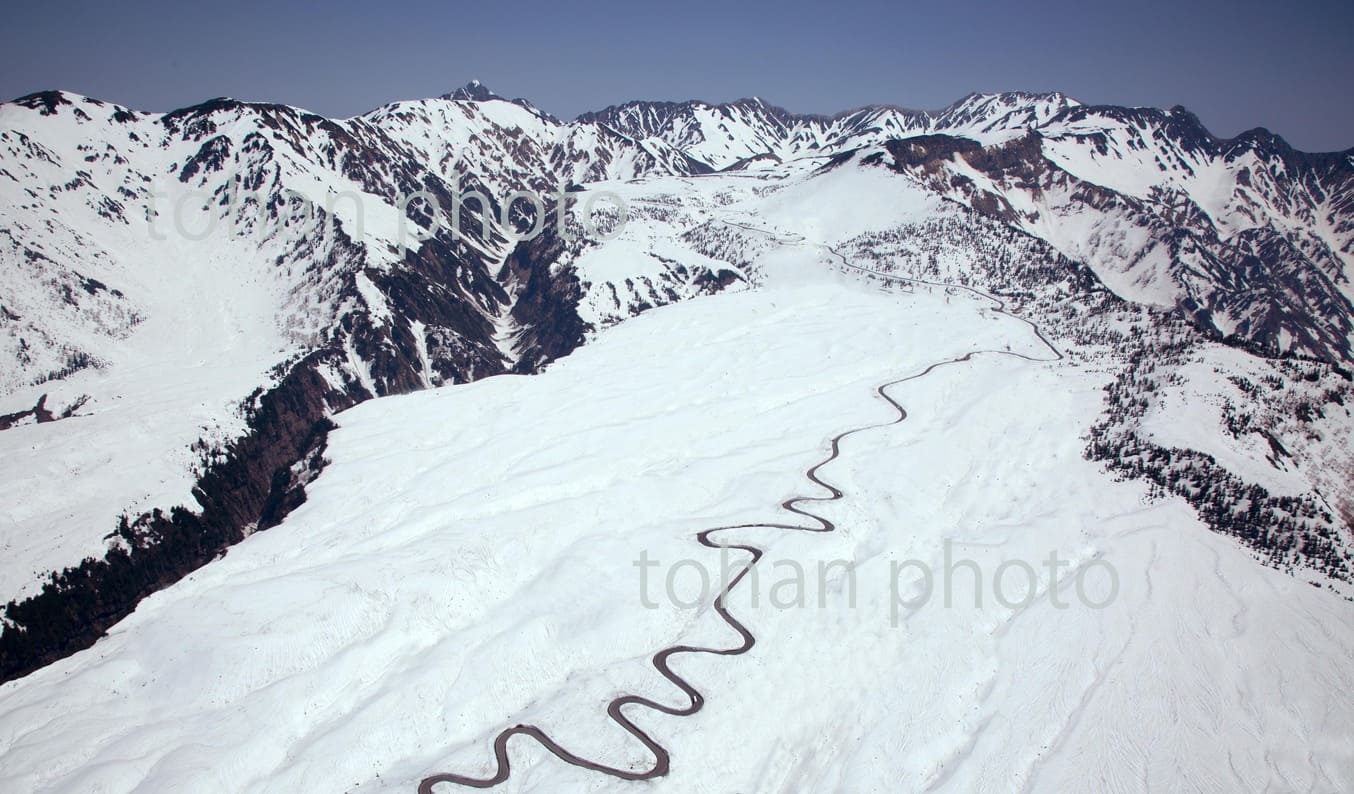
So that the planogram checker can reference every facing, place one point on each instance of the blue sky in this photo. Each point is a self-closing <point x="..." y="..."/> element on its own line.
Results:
<point x="1285" y="66"/>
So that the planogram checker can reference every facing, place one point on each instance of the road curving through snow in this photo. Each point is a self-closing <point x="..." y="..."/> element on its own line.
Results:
<point x="616" y="709"/>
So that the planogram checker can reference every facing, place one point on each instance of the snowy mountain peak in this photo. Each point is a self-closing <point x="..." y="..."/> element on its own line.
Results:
<point x="83" y="108"/>
<point x="473" y="91"/>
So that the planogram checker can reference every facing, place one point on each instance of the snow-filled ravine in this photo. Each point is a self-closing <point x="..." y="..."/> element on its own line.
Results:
<point x="467" y="563"/>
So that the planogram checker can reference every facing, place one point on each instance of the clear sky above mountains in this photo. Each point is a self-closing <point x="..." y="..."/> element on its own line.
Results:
<point x="1241" y="64"/>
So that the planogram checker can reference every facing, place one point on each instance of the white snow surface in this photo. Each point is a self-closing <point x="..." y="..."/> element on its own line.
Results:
<point x="466" y="563"/>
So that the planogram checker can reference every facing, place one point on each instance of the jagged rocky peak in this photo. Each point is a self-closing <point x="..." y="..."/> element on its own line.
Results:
<point x="473" y="91"/>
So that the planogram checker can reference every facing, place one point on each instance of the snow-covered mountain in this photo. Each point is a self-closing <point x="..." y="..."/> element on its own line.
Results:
<point x="1157" y="324"/>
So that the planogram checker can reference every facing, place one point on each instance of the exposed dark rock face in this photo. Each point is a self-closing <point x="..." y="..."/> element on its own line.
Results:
<point x="441" y="290"/>
<point x="546" y="304"/>
<point x="924" y="149"/>
<point x="473" y="91"/>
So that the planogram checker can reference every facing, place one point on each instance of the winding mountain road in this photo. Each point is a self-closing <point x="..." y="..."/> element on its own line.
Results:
<point x="616" y="709"/>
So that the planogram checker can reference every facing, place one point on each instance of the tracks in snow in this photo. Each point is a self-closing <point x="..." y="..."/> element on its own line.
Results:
<point x="616" y="709"/>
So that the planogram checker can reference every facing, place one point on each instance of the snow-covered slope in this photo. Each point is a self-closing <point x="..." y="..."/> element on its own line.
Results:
<point x="467" y="563"/>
